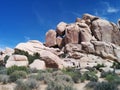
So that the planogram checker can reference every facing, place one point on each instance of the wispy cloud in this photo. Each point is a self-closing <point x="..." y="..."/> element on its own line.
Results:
<point x="76" y="14"/>
<point x="107" y="9"/>
<point x="110" y="9"/>
<point x="27" y="38"/>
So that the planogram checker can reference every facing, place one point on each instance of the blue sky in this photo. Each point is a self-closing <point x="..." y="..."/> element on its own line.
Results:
<point x="22" y="20"/>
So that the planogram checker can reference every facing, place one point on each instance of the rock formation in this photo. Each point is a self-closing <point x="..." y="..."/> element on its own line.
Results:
<point x="88" y="41"/>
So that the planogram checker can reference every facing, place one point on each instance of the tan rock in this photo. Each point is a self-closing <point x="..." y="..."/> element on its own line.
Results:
<point x="88" y="47"/>
<point x="60" y="42"/>
<point x="51" y="60"/>
<point x="18" y="60"/>
<point x="50" y="38"/>
<point x="38" y="64"/>
<point x="61" y="28"/>
<point x="88" y="16"/>
<point x="78" y="20"/>
<point x="72" y="48"/>
<point x="72" y="34"/>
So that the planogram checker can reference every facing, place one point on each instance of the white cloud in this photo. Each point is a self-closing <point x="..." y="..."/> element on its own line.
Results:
<point x="112" y="10"/>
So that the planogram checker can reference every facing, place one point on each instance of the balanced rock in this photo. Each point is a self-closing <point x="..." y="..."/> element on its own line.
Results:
<point x="18" y="60"/>
<point x="61" y="28"/>
<point x="50" y="38"/>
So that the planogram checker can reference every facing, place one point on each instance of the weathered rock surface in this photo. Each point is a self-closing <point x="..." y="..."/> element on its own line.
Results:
<point x="61" y="28"/>
<point x="72" y="34"/>
<point x="38" y="64"/>
<point x="51" y="60"/>
<point x="50" y="38"/>
<point x="18" y="60"/>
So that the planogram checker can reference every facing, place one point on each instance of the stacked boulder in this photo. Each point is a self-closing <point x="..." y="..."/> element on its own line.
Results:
<point x="93" y="34"/>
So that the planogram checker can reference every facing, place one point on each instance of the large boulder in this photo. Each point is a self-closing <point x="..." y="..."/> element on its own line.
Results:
<point x="18" y="60"/>
<point x="51" y="38"/>
<point x="106" y="31"/>
<point x="38" y="64"/>
<point x="51" y="60"/>
<point x="85" y="32"/>
<point x="61" y="28"/>
<point x="104" y="49"/>
<point x="72" y="34"/>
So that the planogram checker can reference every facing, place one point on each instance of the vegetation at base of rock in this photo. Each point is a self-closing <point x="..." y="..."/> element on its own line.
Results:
<point x="17" y="75"/>
<point x="98" y="66"/>
<point x="105" y="86"/>
<point x="104" y="74"/>
<point x="116" y="65"/>
<point x="75" y="74"/>
<point x="17" y="68"/>
<point x="30" y="84"/>
<point x="6" y="58"/>
<point x="3" y="70"/>
<point x="31" y="58"/>
<point x="4" y="79"/>
<point x="90" y="76"/>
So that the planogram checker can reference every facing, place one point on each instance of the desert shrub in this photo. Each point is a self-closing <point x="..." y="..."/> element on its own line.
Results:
<point x="104" y="74"/>
<point x="75" y="74"/>
<point x="17" y="68"/>
<point x="21" y="85"/>
<point x="4" y="79"/>
<point x="91" y="69"/>
<point x="32" y="83"/>
<point x="91" y="84"/>
<point x="105" y="86"/>
<point x="3" y="70"/>
<point x="61" y="82"/>
<point x="90" y="76"/>
<point x="17" y="75"/>
<point x="116" y="65"/>
<point x="44" y="76"/>
<point x="98" y="66"/>
<point x="6" y="58"/>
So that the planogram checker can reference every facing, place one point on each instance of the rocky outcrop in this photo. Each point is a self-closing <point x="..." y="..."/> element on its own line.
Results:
<point x="38" y="64"/>
<point x="18" y="60"/>
<point x="88" y="41"/>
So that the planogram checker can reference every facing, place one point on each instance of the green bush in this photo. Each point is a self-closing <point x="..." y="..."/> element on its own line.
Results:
<point x="105" y="86"/>
<point x="21" y="85"/>
<point x="17" y="75"/>
<point x="4" y="79"/>
<point x="32" y="83"/>
<point x="6" y="58"/>
<point x="98" y="66"/>
<point x="116" y="65"/>
<point x="17" y="68"/>
<point x="90" y="76"/>
<point x="104" y="74"/>
<point x="91" y="84"/>
<point x="75" y="74"/>
<point x="3" y="70"/>
<point x="60" y="82"/>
